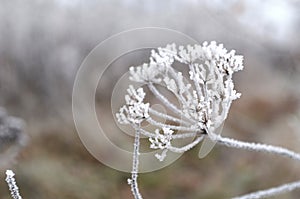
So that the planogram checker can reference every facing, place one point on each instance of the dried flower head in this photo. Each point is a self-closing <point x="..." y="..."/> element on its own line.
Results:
<point x="205" y="96"/>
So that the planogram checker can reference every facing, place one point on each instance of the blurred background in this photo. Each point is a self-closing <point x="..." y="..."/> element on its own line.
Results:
<point x="43" y="43"/>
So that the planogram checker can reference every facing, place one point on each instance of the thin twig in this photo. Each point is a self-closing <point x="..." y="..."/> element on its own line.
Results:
<point x="168" y="117"/>
<point x="173" y="127"/>
<point x="166" y="102"/>
<point x="12" y="185"/>
<point x="135" y="166"/>
<point x="271" y="192"/>
<point x="186" y="147"/>
<point x="257" y="147"/>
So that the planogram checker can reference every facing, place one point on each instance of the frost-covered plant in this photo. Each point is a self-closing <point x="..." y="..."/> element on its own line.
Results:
<point x="204" y="95"/>
<point x="12" y="185"/>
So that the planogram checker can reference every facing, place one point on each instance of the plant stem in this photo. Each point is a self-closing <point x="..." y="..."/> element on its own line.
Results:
<point x="271" y="192"/>
<point x="167" y="103"/>
<point x="135" y="166"/>
<point x="229" y="142"/>
<point x="12" y="185"/>
<point x="173" y="127"/>
<point x="168" y="117"/>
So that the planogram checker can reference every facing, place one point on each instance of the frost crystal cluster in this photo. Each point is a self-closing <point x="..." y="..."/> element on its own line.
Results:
<point x="135" y="111"/>
<point x="199" y="77"/>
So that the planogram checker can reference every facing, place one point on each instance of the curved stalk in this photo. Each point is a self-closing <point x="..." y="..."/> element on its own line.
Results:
<point x="271" y="192"/>
<point x="135" y="166"/>
<point x="229" y="142"/>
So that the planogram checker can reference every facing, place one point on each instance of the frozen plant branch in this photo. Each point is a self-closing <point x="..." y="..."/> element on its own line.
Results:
<point x="135" y="164"/>
<point x="174" y="127"/>
<point x="12" y="185"/>
<point x="271" y="192"/>
<point x="204" y="99"/>
<point x="229" y="142"/>
<point x="165" y="101"/>
<point x="168" y="117"/>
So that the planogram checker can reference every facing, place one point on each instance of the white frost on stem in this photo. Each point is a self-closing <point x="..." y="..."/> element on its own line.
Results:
<point x="229" y="142"/>
<point x="166" y="102"/>
<point x="162" y="125"/>
<point x="12" y="185"/>
<point x="168" y="117"/>
<point x="135" y="166"/>
<point x="271" y="192"/>
<point x="186" y="147"/>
